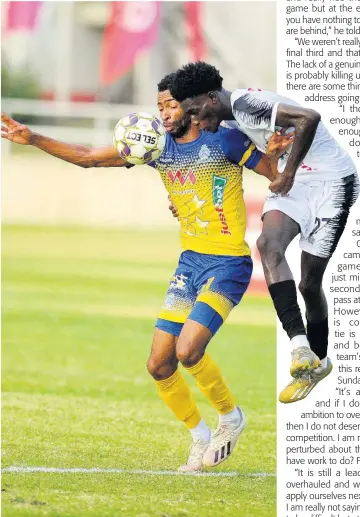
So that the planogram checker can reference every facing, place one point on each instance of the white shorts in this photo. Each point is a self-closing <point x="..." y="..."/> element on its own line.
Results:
<point x="320" y="208"/>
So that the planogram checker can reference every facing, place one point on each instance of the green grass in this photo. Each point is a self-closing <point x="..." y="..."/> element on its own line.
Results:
<point x="78" y="316"/>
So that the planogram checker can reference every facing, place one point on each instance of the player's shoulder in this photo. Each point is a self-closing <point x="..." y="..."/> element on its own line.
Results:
<point x="234" y="143"/>
<point x="226" y="138"/>
<point x="254" y="109"/>
<point x="243" y="99"/>
<point x="244" y="96"/>
<point x="231" y="136"/>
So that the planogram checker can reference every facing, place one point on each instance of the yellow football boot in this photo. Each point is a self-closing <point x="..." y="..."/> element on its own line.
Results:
<point x="300" y="388"/>
<point x="303" y="361"/>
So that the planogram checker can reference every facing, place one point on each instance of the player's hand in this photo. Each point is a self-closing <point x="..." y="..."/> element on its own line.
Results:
<point x="14" y="131"/>
<point x="279" y="142"/>
<point x="282" y="184"/>
<point x="173" y="209"/>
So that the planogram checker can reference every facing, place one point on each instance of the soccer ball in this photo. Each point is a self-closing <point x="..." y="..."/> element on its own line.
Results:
<point x="139" y="138"/>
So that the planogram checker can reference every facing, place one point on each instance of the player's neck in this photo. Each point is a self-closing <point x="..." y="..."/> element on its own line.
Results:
<point x="226" y="108"/>
<point x="190" y="136"/>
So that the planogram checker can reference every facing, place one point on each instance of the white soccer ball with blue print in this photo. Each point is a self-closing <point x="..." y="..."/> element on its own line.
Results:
<point x="139" y="138"/>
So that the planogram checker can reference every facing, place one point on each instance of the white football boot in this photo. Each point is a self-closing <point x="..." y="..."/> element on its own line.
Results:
<point x="195" y="460"/>
<point x="223" y="441"/>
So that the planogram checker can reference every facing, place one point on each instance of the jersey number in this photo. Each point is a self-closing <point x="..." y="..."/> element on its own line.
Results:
<point x="318" y="222"/>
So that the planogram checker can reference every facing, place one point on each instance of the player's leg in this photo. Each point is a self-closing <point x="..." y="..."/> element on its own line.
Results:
<point x="163" y="363"/>
<point x="331" y="204"/>
<point x="171" y="385"/>
<point x="312" y="272"/>
<point x="191" y="352"/>
<point x="175" y="392"/>
<point x="332" y="211"/>
<point x="220" y="292"/>
<point x="190" y="347"/>
<point x="279" y="229"/>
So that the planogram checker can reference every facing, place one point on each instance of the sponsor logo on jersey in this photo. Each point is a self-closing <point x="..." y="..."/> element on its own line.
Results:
<point x="218" y="200"/>
<point x="182" y="178"/>
<point x="182" y="192"/>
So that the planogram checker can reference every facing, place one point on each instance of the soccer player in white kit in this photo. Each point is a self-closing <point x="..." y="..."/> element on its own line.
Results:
<point x="316" y="186"/>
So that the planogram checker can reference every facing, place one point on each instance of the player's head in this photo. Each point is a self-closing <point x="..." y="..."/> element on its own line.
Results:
<point x="198" y="87"/>
<point x="175" y="121"/>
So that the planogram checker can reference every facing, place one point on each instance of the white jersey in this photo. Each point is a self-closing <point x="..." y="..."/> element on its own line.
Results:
<point x="255" y="115"/>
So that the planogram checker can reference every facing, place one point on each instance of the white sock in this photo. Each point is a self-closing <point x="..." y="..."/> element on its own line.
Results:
<point x="230" y="418"/>
<point x="201" y="432"/>
<point x="298" y="341"/>
<point x="324" y="362"/>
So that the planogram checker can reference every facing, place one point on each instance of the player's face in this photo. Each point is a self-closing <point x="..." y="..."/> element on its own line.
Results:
<point x="175" y="121"/>
<point x="204" y="110"/>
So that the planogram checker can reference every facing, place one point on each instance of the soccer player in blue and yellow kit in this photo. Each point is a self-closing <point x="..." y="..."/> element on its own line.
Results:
<point x="202" y="173"/>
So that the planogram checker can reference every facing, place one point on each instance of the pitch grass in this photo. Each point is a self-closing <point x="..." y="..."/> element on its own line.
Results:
<point x="76" y="392"/>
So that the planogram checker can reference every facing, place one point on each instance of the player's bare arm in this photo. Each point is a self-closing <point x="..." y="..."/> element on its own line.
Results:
<point x="305" y="122"/>
<point x="73" y="153"/>
<point x="278" y="143"/>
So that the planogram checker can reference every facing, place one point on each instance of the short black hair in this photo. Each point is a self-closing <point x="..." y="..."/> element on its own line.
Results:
<point x="195" y="79"/>
<point x="166" y="82"/>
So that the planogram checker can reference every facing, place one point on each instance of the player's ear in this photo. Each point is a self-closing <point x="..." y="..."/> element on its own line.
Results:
<point x="194" y="120"/>
<point x="213" y="97"/>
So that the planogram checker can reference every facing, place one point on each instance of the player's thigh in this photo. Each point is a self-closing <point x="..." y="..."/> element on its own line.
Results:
<point x="179" y="299"/>
<point x="178" y="303"/>
<point x="192" y="342"/>
<point x="163" y="349"/>
<point x="162" y="362"/>
<point x="278" y="231"/>
<point x="284" y="217"/>
<point x="220" y="288"/>
<point x="330" y="203"/>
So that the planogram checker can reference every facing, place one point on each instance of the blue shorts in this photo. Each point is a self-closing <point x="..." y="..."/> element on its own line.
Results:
<point x="204" y="288"/>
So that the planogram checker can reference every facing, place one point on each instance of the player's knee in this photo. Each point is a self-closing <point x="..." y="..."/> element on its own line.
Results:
<point x="270" y="250"/>
<point x="310" y="288"/>
<point x="159" y="369"/>
<point x="188" y="355"/>
<point x="152" y="367"/>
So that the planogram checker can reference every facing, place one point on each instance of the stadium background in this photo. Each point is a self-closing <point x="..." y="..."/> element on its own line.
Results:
<point x="87" y="255"/>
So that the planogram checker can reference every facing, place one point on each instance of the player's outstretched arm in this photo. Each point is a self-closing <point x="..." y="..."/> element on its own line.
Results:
<point x="73" y="153"/>
<point x="305" y="122"/>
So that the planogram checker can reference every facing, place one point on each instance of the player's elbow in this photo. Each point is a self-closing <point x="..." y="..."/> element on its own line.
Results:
<point x="310" y="120"/>
<point x="314" y="117"/>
